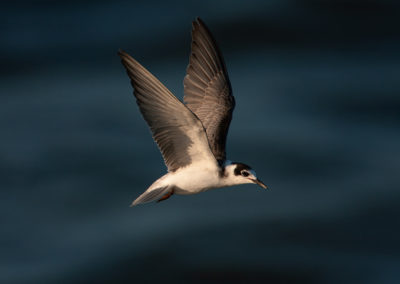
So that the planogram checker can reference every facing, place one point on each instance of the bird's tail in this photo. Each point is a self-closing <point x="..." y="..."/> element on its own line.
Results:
<point x="152" y="195"/>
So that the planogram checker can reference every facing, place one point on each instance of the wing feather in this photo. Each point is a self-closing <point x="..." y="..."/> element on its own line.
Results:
<point x="207" y="88"/>
<point x="178" y="133"/>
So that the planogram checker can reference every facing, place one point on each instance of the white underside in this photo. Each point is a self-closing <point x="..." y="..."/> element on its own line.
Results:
<point x="195" y="178"/>
<point x="192" y="179"/>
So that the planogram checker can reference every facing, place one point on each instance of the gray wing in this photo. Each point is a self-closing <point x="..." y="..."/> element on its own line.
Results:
<point x="177" y="131"/>
<point x="208" y="92"/>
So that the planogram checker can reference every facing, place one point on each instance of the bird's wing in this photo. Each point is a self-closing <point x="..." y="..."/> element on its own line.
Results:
<point x="177" y="131"/>
<point x="208" y="92"/>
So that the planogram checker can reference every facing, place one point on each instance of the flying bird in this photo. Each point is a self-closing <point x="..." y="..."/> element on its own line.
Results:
<point x="191" y="135"/>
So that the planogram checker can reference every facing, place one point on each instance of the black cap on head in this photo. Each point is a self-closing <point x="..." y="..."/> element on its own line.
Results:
<point x="240" y="167"/>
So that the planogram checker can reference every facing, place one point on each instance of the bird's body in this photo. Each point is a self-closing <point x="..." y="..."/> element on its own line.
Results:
<point x="190" y="180"/>
<point x="191" y="136"/>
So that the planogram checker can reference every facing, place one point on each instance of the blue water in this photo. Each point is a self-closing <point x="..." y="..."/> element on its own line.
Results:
<point x="317" y="116"/>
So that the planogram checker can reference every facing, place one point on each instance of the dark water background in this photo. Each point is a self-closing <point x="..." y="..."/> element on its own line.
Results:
<point x="318" y="111"/>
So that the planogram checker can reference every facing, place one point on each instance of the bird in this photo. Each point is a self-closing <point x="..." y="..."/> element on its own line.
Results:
<point x="191" y="135"/>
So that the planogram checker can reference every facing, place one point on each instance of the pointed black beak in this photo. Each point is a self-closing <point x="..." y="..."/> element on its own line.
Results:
<point x="259" y="182"/>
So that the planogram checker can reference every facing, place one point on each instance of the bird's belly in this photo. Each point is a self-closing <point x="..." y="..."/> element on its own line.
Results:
<point x="195" y="182"/>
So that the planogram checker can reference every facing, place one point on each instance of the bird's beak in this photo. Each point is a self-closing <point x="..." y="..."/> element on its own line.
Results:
<point x="259" y="182"/>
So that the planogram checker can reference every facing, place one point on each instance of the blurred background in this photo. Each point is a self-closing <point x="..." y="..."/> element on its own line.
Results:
<point x="317" y="116"/>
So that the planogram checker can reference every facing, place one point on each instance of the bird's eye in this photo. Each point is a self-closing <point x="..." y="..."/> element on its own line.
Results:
<point x="245" y="174"/>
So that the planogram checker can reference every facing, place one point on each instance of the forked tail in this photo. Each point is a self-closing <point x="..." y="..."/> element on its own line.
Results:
<point x="159" y="194"/>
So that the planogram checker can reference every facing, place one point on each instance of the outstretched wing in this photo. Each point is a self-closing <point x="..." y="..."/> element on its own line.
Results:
<point x="208" y="92"/>
<point x="177" y="131"/>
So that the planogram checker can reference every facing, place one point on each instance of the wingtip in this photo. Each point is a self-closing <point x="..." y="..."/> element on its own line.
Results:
<point x="197" y="22"/>
<point x="121" y="52"/>
<point x="200" y="26"/>
<point x="126" y="57"/>
<point x="127" y="60"/>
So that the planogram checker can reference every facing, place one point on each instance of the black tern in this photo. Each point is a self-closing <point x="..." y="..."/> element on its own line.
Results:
<point x="191" y="135"/>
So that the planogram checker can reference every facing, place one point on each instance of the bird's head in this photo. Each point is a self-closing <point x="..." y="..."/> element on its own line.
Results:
<point x="239" y="173"/>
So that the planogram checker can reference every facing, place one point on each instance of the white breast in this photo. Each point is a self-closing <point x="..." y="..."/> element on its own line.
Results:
<point x="194" y="178"/>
